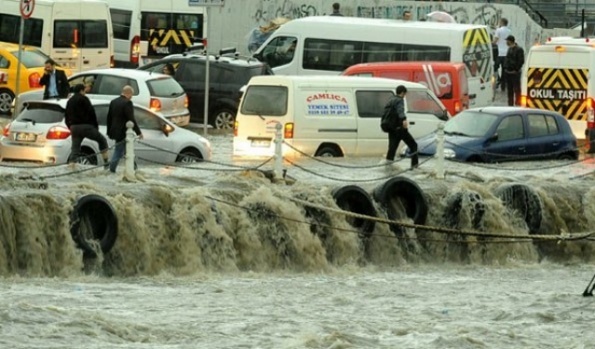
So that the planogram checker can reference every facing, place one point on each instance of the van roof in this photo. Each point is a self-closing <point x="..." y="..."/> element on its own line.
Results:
<point x="332" y="80"/>
<point x="407" y="64"/>
<point x="352" y="22"/>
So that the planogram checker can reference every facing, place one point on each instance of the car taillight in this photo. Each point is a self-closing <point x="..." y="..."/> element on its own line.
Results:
<point x="186" y="101"/>
<point x="590" y="113"/>
<point x="58" y="132"/>
<point x="112" y="62"/>
<point x="457" y="106"/>
<point x="6" y="130"/>
<point x="34" y="80"/>
<point x="134" y="49"/>
<point x="288" y="130"/>
<point x="155" y="104"/>
<point x="523" y="101"/>
<point x="204" y="42"/>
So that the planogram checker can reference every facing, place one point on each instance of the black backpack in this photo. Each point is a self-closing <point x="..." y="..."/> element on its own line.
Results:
<point x="388" y="121"/>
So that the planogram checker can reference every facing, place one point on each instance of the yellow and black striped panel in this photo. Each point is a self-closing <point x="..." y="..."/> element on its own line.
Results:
<point x="164" y="37"/>
<point x="477" y="53"/>
<point x="561" y="90"/>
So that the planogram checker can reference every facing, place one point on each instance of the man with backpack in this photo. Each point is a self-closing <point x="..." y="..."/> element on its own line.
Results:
<point x="394" y="122"/>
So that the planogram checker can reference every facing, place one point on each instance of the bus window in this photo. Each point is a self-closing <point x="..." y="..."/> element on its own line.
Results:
<point x="378" y="52"/>
<point x="94" y="34"/>
<point x="80" y="34"/>
<point x="121" y="20"/>
<point x="279" y="51"/>
<point x="425" y="53"/>
<point x="334" y="55"/>
<point x="10" y="27"/>
<point x="65" y="34"/>
<point x="157" y="27"/>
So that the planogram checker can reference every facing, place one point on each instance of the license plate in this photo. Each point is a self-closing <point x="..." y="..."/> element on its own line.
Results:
<point x="260" y="143"/>
<point x="25" y="137"/>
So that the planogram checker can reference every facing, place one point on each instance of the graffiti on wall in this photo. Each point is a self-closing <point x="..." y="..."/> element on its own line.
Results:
<point x="271" y="9"/>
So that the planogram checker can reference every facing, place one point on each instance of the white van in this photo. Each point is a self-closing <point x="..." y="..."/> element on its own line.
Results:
<point x="145" y="30"/>
<point x="327" y="115"/>
<point x="77" y="34"/>
<point x="325" y="45"/>
<point x="558" y="76"/>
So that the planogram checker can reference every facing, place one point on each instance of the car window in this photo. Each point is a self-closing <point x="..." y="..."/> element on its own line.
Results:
<point x="552" y="125"/>
<point x="83" y="79"/>
<point x="112" y="85"/>
<point x="370" y="104"/>
<point x="146" y="120"/>
<point x="422" y="102"/>
<point x="31" y="58"/>
<point x="511" y="127"/>
<point x="4" y="63"/>
<point x="279" y="51"/>
<point x="101" y="112"/>
<point x="165" y="87"/>
<point x="42" y="113"/>
<point x="537" y="125"/>
<point x="190" y="72"/>
<point x="265" y="101"/>
<point x="228" y="76"/>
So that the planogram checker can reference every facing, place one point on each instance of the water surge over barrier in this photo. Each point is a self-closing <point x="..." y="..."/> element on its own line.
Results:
<point x="244" y="222"/>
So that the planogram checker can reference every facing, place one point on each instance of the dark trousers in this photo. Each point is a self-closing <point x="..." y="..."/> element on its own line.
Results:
<point x="80" y="132"/>
<point x="395" y="137"/>
<point x="513" y="84"/>
<point x="499" y="63"/>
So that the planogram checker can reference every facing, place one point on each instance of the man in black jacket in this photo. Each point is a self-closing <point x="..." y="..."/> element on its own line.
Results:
<point x="399" y="128"/>
<point x="513" y="64"/>
<point x="55" y="81"/>
<point x="82" y="122"/>
<point x="120" y="112"/>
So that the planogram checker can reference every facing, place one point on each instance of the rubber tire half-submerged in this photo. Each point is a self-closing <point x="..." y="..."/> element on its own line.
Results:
<point x="102" y="220"/>
<point x="523" y="201"/>
<point x="409" y="194"/>
<point x="354" y="199"/>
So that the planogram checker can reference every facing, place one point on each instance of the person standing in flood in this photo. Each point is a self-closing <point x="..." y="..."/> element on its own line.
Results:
<point x="336" y="10"/>
<point x="500" y="40"/>
<point x="398" y="128"/>
<point x="119" y="113"/>
<point x="515" y="58"/>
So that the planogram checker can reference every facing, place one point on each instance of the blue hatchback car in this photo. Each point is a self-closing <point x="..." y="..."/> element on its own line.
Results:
<point x="495" y="134"/>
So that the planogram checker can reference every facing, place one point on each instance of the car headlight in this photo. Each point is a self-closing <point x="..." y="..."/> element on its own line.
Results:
<point x="449" y="153"/>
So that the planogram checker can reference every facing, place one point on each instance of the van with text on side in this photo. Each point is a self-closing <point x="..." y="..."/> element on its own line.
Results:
<point x="147" y="30"/>
<point x="326" y="45"/>
<point x="330" y="116"/>
<point x="557" y="76"/>
<point x="447" y="80"/>
<point x="77" y="34"/>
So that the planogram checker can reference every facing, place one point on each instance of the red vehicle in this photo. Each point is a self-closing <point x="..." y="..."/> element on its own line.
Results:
<point x="447" y="80"/>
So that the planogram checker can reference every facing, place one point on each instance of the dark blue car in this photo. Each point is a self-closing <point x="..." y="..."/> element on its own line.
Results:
<point x="495" y="134"/>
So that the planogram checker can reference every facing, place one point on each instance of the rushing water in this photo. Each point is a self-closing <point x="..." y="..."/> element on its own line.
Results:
<point x="227" y="259"/>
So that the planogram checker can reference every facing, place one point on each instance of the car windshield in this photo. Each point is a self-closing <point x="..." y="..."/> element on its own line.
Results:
<point x="165" y="87"/>
<point x="43" y="113"/>
<point x="265" y="101"/>
<point x="261" y="70"/>
<point x="470" y="124"/>
<point x="31" y="58"/>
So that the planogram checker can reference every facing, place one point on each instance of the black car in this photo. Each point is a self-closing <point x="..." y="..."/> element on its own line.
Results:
<point x="227" y="74"/>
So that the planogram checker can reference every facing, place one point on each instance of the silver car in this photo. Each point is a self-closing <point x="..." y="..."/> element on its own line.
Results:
<point x="39" y="134"/>
<point x="159" y="92"/>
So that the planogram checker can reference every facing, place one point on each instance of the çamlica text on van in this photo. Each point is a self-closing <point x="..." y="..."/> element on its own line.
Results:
<point x="558" y="94"/>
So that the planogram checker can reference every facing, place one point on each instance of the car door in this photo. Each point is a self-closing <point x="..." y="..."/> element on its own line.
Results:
<point x="155" y="146"/>
<point x="543" y="139"/>
<point x="191" y="76"/>
<point x="6" y="90"/>
<point x="509" y="141"/>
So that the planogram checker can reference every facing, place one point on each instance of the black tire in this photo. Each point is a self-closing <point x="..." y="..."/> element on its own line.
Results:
<point x="189" y="156"/>
<point x="223" y="119"/>
<point x="6" y="97"/>
<point x="87" y="157"/>
<point x="354" y="199"/>
<point x="409" y="194"/>
<point x="566" y="156"/>
<point x="328" y="151"/>
<point x="102" y="221"/>
<point x="524" y="202"/>
<point x="466" y="202"/>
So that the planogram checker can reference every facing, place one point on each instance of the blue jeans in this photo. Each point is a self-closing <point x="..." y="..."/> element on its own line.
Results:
<point x="119" y="152"/>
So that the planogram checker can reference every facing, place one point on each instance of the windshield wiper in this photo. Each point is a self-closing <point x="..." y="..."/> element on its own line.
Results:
<point x="456" y="133"/>
<point x="28" y="120"/>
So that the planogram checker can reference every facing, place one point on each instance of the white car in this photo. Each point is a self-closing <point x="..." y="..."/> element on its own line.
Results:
<point x="39" y="134"/>
<point x="159" y="92"/>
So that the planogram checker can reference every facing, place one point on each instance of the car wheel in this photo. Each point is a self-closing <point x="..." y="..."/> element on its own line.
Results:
<point x="6" y="97"/>
<point x="189" y="156"/>
<point x="566" y="156"/>
<point x="328" y="152"/>
<point x="223" y="119"/>
<point x="87" y="157"/>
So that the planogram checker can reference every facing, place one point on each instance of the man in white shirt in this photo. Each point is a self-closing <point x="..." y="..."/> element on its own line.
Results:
<point x="500" y="39"/>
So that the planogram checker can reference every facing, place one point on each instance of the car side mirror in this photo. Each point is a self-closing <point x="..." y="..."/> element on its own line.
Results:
<point x="442" y="115"/>
<point x="167" y="129"/>
<point x="493" y="138"/>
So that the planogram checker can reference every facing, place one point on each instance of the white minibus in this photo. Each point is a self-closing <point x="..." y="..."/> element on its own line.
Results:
<point x="77" y="34"/>
<point x="329" y="45"/>
<point x="145" y="30"/>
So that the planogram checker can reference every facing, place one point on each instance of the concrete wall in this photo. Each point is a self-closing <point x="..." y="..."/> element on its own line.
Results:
<point x="229" y="26"/>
